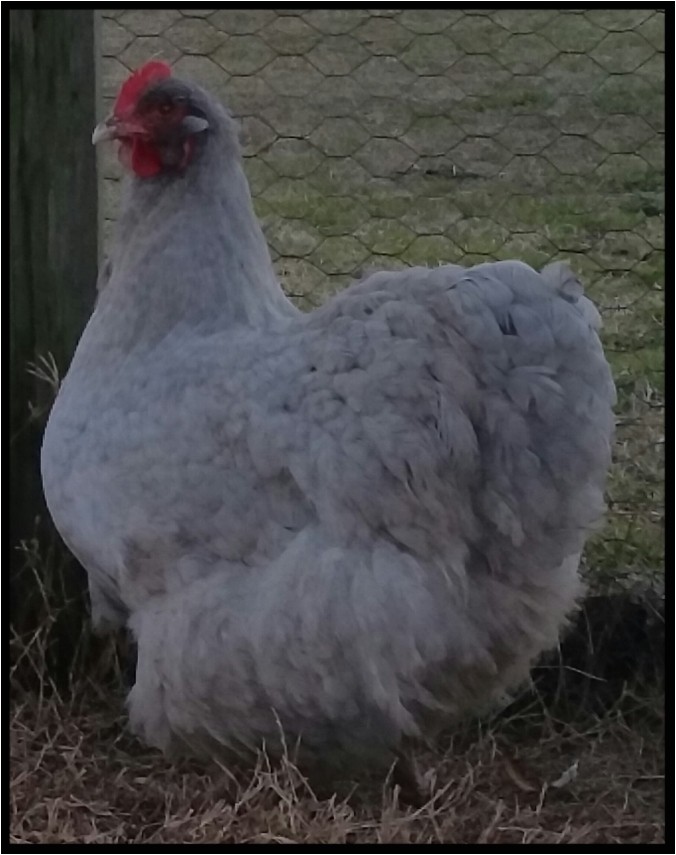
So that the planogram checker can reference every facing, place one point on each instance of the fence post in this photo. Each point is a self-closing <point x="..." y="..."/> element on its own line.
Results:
<point x="53" y="227"/>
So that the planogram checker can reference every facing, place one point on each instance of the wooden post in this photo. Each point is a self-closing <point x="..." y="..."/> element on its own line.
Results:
<point x="53" y="228"/>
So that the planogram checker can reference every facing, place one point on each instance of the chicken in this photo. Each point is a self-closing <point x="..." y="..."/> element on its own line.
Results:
<point x="344" y="528"/>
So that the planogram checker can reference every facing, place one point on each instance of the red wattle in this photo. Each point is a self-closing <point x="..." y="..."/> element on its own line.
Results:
<point x="145" y="159"/>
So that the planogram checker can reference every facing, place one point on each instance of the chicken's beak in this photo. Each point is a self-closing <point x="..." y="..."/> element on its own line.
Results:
<point x="113" y="128"/>
<point x="105" y="130"/>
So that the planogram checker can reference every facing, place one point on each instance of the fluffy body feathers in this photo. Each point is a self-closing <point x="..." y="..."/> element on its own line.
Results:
<point x="352" y="524"/>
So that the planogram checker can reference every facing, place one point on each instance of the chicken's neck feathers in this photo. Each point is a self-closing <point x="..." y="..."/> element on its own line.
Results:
<point x="190" y="251"/>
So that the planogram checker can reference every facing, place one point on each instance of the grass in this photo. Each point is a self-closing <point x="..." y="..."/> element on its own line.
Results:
<point x="529" y="778"/>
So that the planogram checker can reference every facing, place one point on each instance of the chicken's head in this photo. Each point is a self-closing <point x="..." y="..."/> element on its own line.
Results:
<point x="156" y="119"/>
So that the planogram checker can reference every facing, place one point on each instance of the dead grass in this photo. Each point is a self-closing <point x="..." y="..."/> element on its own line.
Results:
<point x="531" y="775"/>
<point x="78" y="777"/>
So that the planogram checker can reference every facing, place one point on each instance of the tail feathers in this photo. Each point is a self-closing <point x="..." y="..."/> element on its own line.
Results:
<point x="562" y="279"/>
<point x="565" y="283"/>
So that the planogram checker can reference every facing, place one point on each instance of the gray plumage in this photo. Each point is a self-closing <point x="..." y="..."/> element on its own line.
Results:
<point x="353" y="524"/>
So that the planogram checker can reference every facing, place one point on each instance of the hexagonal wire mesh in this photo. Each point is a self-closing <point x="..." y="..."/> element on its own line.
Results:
<point x="388" y="137"/>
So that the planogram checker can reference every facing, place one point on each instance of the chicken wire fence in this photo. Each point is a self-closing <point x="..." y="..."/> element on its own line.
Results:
<point x="385" y="138"/>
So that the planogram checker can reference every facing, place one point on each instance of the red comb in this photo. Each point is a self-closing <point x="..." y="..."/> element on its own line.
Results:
<point x="134" y="86"/>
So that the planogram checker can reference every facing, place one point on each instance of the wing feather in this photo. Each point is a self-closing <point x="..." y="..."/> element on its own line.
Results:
<point x="455" y="404"/>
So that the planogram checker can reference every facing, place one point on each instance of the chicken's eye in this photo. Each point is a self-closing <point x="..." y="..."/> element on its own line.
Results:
<point x="166" y="108"/>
